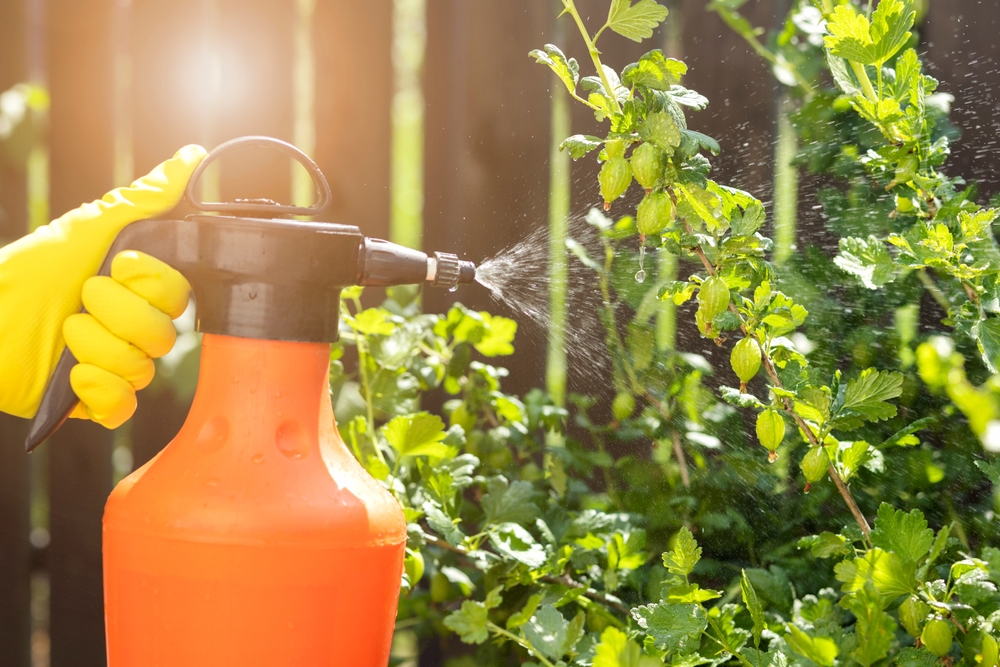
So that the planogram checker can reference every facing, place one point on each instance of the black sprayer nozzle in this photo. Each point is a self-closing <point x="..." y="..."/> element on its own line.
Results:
<point x="382" y="263"/>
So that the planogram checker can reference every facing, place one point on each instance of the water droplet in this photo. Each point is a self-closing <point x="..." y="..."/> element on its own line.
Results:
<point x="214" y="482"/>
<point x="640" y="276"/>
<point x="213" y="435"/>
<point x="277" y="393"/>
<point x="292" y="440"/>
<point x="257" y="458"/>
<point x="454" y="288"/>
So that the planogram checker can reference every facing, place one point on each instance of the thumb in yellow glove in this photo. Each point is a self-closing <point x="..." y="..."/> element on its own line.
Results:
<point x="48" y="275"/>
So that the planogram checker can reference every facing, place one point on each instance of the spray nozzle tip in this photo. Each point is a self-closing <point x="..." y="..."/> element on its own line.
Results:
<point x="447" y="270"/>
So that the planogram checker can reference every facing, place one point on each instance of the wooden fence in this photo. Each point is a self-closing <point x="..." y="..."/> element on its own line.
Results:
<point x="133" y="80"/>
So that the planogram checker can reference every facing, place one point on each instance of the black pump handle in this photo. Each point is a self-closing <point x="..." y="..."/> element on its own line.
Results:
<point x="259" y="206"/>
<point x="151" y="236"/>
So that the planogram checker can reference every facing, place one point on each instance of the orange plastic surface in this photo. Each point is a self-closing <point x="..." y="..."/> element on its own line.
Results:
<point x="254" y="538"/>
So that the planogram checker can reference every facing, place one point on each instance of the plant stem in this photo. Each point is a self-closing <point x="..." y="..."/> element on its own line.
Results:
<point x="721" y="641"/>
<point x="772" y="373"/>
<point x="866" y="83"/>
<point x="595" y="55"/>
<point x="520" y="642"/>
<point x="679" y="453"/>
<point x="590" y="593"/>
<point x="933" y="289"/>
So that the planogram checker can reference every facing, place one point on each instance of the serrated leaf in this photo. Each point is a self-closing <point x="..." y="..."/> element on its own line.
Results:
<point x="821" y="650"/>
<point x="867" y="259"/>
<point x="580" y="144"/>
<point x="826" y="545"/>
<point x="513" y="541"/>
<point x="849" y="35"/>
<point x="509" y="503"/>
<point x="991" y="469"/>
<point x="655" y="71"/>
<point x="750" y="221"/>
<point x="469" y="622"/>
<point x="636" y="22"/>
<point x="866" y="395"/>
<point x="987" y="335"/>
<point x="905" y="534"/>
<point x="677" y="627"/>
<point x="891" y="23"/>
<point x="547" y="632"/>
<point x="874" y="628"/>
<point x="915" y="657"/>
<point x="688" y="98"/>
<point x="753" y="606"/>
<point x="685" y="554"/>
<point x="417" y="435"/>
<point x="568" y="70"/>
<point x="617" y="650"/>
<point x="442" y="524"/>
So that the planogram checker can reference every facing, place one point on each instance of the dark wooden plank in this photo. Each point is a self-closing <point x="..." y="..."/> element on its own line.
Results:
<point x="81" y="139"/>
<point x="962" y="51"/>
<point x="79" y="483"/>
<point x="352" y="43"/>
<point x="487" y="146"/>
<point x="15" y="550"/>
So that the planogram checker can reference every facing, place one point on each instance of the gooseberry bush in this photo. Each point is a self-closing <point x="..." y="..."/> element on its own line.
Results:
<point x="715" y="516"/>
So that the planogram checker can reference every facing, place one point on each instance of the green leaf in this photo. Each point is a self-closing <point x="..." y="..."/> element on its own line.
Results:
<point x="866" y="395"/>
<point x="617" y="650"/>
<point x="701" y="141"/>
<point x="826" y="545"/>
<point x="891" y="23"/>
<point x="685" y="554"/>
<point x="751" y="220"/>
<point x="518" y="619"/>
<point x="373" y="321"/>
<point x="867" y="259"/>
<point x="417" y="435"/>
<point x="821" y="650"/>
<point x="513" y="541"/>
<point x="498" y="339"/>
<point x="655" y="71"/>
<point x="874" y="628"/>
<point x="915" y="657"/>
<point x="547" y="632"/>
<point x="987" y="333"/>
<point x="469" y="622"/>
<point x="636" y="22"/>
<point x="991" y="469"/>
<point x="568" y="71"/>
<point x="580" y="144"/>
<point x="677" y="627"/>
<point x="905" y="534"/>
<point x="442" y="524"/>
<point x="511" y="503"/>
<point x="886" y="571"/>
<point x="849" y="35"/>
<point x="661" y="130"/>
<point x="753" y="606"/>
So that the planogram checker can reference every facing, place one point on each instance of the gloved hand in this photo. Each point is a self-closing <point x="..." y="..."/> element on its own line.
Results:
<point x="47" y="275"/>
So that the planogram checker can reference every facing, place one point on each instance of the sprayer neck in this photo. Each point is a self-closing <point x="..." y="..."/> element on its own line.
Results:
<point x="260" y="386"/>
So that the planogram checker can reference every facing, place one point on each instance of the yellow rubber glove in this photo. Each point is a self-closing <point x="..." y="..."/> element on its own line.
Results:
<point x="45" y="278"/>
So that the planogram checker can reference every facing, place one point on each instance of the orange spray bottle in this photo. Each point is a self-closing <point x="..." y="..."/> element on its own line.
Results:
<point x="255" y="538"/>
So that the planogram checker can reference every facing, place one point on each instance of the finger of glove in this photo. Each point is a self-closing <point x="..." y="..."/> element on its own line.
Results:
<point x="92" y="343"/>
<point x="129" y="316"/>
<point x="107" y="399"/>
<point x="158" y="283"/>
